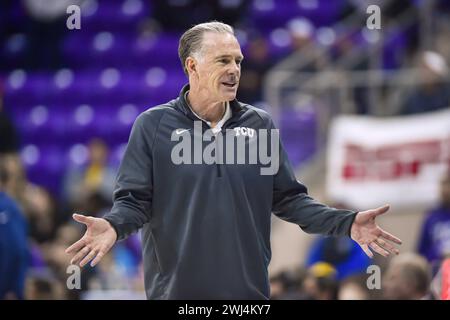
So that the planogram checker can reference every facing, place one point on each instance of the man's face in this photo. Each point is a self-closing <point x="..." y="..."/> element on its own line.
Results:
<point x="218" y="67"/>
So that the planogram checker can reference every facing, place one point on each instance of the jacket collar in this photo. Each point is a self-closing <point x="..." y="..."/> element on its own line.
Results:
<point x="183" y="106"/>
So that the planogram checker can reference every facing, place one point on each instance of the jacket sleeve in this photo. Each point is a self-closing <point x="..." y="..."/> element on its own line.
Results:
<point x="292" y="203"/>
<point x="133" y="191"/>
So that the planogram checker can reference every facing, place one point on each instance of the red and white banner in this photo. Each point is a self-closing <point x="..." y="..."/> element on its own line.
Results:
<point x="397" y="160"/>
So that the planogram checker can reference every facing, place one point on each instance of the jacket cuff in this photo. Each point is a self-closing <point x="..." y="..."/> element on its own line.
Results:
<point x="349" y="232"/>
<point x="115" y="227"/>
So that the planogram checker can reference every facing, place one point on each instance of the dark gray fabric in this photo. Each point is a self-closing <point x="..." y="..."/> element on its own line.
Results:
<point x="206" y="228"/>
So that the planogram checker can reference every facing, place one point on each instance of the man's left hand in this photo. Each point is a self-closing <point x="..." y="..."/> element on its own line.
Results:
<point x="369" y="235"/>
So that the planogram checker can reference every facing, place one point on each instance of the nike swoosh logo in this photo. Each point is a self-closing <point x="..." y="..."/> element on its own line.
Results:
<point x="180" y="131"/>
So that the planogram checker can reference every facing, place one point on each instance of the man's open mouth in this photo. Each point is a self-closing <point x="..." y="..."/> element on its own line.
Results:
<point x="229" y="84"/>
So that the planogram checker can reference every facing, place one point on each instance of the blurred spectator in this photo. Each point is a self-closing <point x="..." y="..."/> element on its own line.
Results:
<point x="301" y="31"/>
<point x="67" y="234"/>
<point x="434" y="91"/>
<point x="43" y="287"/>
<point x="54" y="250"/>
<point x="5" y="7"/>
<point x="434" y="242"/>
<point x="407" y="277"/>
<point x="256" y="63"/>
<point x="110" y="276"/>
<point x="172" y="15"/>
<point x="41" y="209"/>
<point x="118" y="271"/>
<point x="343" y="254"/>
<point x="8" y="134"/>
<point x="344" y="46"/>
<point x="320" y="282"/>
<point x="286" y="285"/>
<point x="90" y="188"/>
<point x="14" y="255"/>
<point x="46" y="28"/>
<point x="17" y="180"/>
<point x="440" y="283"/>
<point x="354" y="288"/>
<point x="277" y="286"/>
<point x="55" y="274"/>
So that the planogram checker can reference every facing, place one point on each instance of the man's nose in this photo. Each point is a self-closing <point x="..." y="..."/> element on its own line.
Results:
<point x="235" y="69"/>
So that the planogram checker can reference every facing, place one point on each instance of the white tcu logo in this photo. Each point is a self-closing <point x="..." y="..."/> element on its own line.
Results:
<point x="244" y="131"/>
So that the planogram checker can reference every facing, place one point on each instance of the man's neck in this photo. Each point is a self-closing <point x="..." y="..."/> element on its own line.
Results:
<point x="209" y="111"/>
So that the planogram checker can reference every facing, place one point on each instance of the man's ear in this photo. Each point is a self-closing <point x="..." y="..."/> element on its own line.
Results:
<point x="191" y="65"/>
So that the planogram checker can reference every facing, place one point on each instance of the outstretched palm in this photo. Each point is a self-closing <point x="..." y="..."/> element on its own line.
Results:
<point x="368" y="234"/>
<point x="98" y="239"/>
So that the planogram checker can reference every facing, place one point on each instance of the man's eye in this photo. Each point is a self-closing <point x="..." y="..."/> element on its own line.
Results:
<point x="224" y="61"/>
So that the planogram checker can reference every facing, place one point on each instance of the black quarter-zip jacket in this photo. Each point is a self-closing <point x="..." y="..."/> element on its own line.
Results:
<point x="206" y="227"/>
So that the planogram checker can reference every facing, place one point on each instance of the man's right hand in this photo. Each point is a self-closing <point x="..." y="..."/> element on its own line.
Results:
<point x="98" y="239"/>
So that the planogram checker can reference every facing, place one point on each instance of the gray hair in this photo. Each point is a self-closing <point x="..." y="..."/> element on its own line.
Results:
<point x="191" y="41"/>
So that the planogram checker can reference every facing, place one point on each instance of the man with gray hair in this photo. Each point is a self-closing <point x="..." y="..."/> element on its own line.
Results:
<point x="206" y="226"/>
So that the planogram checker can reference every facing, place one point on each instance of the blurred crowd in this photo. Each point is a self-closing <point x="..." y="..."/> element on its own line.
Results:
<point x="36" y="229"/>
<point x="406" y="277"/>
<point x="336" y="268"/>
<point x="36" y="226"/>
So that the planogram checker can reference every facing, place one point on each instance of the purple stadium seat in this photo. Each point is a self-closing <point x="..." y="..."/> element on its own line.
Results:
<point x="114" y="15"/>
<point x="44" y="165"/>
<point x="155" y="50"/>
<point x="13" y="52"/>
